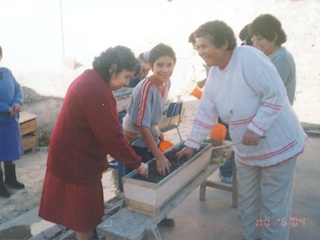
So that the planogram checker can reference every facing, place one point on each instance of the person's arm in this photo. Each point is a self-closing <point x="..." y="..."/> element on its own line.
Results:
<point x="163" y="164"/>
<point x="205" y="118"/>
<point x="266" y="83"/>
<point x="201" y="83"/>
<point x="285" y="65"/>
<point x="18" y="98"/>
<point x="4" y="107"/>
<point x="18" y="95"/>
<point x="103" y="120"/>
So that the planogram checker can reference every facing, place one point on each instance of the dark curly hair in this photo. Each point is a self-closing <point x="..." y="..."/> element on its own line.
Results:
<point x="217" y="33"/>
<point x="268" y="27"/>
<point x="161" y="50"/>
<point x="121" y="56"/>
<point x="245" y="36"/>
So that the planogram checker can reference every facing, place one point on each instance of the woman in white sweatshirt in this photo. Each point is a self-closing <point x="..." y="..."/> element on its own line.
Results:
<point x="244" y="88"/>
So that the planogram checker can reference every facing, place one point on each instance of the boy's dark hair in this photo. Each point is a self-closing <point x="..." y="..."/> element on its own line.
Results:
<point x="217" y="33"/>
<point x="144" y="56"/>
<point x="121" y="56"/>
<point x="245" y="36"/>
<point x="268" y="27"/>
<point x="161" y="50"/>
<point x="192" y="39"/>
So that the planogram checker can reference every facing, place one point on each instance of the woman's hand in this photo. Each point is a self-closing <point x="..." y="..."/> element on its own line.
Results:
<point x="15" y="108"/>
<point x="185" y="152"/>
<point x="163" y="165"/>
<point x="250" y="138"/>
<point x="143" y="169"/>
<point x="12" y="112"/>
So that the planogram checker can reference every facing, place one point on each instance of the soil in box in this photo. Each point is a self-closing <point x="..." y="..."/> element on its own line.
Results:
<point x="175" y="164"/>
<point x="147" y="195"/>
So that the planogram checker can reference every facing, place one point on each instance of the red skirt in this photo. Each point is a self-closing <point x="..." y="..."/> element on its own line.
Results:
<point x="77" y="207"/>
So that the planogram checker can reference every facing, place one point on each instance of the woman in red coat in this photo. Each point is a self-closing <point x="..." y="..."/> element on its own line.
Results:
<point x="87" y="130"/>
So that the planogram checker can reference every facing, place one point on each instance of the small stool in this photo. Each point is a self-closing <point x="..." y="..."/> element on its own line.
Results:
<point x="223" y="186"/>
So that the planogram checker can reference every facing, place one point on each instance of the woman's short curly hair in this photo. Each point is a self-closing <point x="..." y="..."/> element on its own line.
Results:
<point x="217" y="33"/>
<point x="268" y="27"/>
<point x="121" y="56"/>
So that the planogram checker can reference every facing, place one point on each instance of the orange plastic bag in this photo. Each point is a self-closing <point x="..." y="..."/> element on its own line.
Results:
<point x="218" y="133"/>
<point x="164" y="145"/>
<point x="197" y="92"/>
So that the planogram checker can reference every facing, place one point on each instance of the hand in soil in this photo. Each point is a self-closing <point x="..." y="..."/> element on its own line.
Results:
<point x="154" y="176"/>
<point x="143" y="169"/>
<point x="163" y="165"/>
<point x="186" y="152"/>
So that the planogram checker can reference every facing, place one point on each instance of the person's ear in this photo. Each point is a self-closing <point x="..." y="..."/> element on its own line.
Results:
<point x="225" y="45"/>
<point x="275" y="37"/>
<point x="113" y="68"/>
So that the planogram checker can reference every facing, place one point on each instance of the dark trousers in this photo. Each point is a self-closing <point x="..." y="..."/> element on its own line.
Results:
<point x="144" y="153"/>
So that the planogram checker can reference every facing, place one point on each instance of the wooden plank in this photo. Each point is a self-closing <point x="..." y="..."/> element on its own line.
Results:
<point x="27" y="123"/>
<point x="26" y="116"/>
<point x="219" y="185"/>
<point x="28" y="127"/>
<point x="29" y="141"/>
<point x="142" y="207"/>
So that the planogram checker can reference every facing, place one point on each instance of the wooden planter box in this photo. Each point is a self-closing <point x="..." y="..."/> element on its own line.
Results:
<point x="27" y="123"/>
<point x="148" y="197"/>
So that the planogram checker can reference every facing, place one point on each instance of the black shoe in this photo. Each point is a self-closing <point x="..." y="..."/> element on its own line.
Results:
<point x="167" y="222"/>
<point x="11" y="178"/>
<point x="15" y="185"/>
<point x="4" y="191"/>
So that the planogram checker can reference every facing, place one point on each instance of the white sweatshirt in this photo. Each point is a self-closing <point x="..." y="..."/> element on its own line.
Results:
<point x="249" y="94"/>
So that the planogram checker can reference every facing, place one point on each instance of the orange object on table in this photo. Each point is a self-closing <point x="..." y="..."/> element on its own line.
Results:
<point x="164" y="145"/>
<point x="197" y="92"/>
<point x="218" y="132"/>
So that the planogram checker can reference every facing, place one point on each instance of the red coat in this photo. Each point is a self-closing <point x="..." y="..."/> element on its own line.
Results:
<point x="87" y="130"/>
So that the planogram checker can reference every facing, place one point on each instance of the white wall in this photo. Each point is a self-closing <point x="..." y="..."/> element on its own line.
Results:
<point x="31" y="36"/>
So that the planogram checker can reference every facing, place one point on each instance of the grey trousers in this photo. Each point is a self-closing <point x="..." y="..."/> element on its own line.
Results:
<point x="265" y="199"/>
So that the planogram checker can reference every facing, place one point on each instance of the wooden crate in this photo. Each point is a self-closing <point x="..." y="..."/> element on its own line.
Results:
<point x="28" y="130"/>
<point x="28" y="127"/>
<point x="147" y="197"/>
<point x="29" y="141"/>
